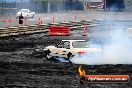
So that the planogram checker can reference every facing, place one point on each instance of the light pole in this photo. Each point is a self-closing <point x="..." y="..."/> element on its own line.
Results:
<point x="105" y="5"/>
<point x="48" y="6"/>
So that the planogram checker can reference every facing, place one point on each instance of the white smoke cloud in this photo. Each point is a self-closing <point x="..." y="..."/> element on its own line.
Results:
<point x="118" y="51"/>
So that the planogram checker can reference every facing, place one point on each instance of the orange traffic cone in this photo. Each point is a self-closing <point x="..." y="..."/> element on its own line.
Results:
<point x="53" y="19"/>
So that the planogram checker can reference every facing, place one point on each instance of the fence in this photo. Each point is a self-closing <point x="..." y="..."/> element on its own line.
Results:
<point x="39" y="7"/>
<point x="54" y="27"/>
<point x="8" y="8"/>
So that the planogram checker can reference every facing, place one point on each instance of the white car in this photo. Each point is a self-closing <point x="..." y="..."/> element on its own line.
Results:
<point x="26" y="13"/>
<point x="70" y="48"/>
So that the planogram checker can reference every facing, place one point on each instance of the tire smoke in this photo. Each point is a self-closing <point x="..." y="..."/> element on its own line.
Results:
<point x="118" y="51"/>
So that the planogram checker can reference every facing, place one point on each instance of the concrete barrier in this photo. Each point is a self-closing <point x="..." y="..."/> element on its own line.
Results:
<point x="54" y="24"/>
<point x="68" y="24"/>
<point x="4" y="32"/>
<point x="13" y="31"/>
<point x="43" y="27"/>
<point x="23" y="29"/>
<point x="32" y="29"/>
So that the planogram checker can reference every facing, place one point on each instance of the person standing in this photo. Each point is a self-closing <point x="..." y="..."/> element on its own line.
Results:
<point x="20" y="19"/>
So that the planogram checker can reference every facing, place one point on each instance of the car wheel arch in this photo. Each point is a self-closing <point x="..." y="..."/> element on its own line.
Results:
<point x="69" y="54"/>
<point x="47" y="51"/>
<point x="48" y="56"/>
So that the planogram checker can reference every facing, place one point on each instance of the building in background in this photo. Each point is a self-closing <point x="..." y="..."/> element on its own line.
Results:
<point x="93" y="4"/>
<point x="114" y="5"/>
<point x="7" y="6"/>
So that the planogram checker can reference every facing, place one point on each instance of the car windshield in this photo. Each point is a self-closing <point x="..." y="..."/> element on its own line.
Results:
<point x="24" y="11"/>
<point x="80" y="44"/>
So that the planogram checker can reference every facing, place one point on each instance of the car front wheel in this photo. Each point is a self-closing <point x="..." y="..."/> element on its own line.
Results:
<point x="48" y="55"/>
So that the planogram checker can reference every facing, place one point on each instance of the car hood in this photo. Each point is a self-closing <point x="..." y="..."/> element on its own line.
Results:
<point x="49" y="47"/>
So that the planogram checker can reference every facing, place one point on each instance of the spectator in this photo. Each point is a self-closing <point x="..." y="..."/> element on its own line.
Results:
<point x="20" y="19"/>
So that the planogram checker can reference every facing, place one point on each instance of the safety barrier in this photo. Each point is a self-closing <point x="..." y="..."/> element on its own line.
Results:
<point x="32" y="29"/>
<point x="68" y="24"/>
<point x="62" y="28"/>
<point x="84" y="22"/>
<point x="9" y="21"/>
<point x="59" y="30"/>
<point x="23" y="29"/>
<point x="76" y="24"/>
<point x="4" y="32"/>
<point x="43" y="27"/>
<point x="54" y="24"/>
<point x="13" y="31"/>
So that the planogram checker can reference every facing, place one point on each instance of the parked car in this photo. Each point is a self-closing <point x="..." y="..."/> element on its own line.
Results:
<point x="70" y="48"/>
<point x="26" y="13"/>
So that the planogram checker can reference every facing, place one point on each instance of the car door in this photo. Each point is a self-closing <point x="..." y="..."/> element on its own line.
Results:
<point x="63" y="48"/>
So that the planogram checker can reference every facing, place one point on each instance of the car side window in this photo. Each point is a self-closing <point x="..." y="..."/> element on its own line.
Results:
<point x="64" y="45"/>
<point x="60" y="45"/>
<point x="67" y="45"/>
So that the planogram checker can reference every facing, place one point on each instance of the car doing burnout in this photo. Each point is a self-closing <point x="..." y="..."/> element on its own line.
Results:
<point x="26" y="13"/>
<point x="70" y="48"/>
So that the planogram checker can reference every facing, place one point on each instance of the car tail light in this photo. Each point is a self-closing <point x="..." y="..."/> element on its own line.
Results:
<point x="81" y="52"/>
